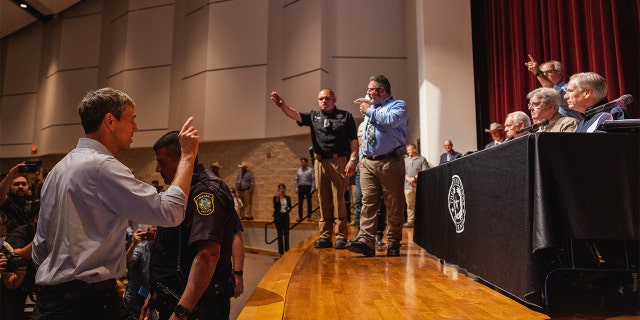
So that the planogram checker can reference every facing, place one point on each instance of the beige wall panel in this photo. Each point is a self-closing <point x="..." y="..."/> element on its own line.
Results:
<point x="80" y="42"/>
<point x="352" y="78"/>
<point x="18" y="114"/>
<point x="196" y="39"/>
<point x="150" y="89"/>
<point x="193" y="103"/>
<point x="357" y="36"/>
<point x="60" y="139"/>
<point x="302" y="31"/>
<point x="149" y="37"/>
<point x="115" y="47"/>
<point x="300" y="93"/>
<point x="238" y="34"/>
<point x="60" y="94"/>
<point x="193" y="5"/>
<point x="235" y="104"/>
<point x="24" y="53"/>
<point x="144" y="4"/>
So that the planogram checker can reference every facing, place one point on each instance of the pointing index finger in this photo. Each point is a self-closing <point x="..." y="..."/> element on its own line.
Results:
<point x="187" y="124"/>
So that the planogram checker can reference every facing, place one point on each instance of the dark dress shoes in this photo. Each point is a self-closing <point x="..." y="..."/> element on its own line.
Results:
<point x="323" y="243"/>
<point x="360" y="247"/>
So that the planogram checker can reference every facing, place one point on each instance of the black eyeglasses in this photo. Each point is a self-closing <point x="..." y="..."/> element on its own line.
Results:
<point x="373" y="89"/>
<point x="548" y="71"/>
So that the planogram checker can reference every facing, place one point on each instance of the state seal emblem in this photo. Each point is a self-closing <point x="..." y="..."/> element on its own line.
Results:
<point x="457" y="207"/>
<point x="204" y="203"/>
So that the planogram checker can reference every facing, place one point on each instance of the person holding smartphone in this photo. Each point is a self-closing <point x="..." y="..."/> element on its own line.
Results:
<point x="14" y="201"/>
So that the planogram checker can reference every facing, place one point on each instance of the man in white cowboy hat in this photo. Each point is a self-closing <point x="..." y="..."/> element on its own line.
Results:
<point x="244" y="186"/>
<point x="497" y="134"/>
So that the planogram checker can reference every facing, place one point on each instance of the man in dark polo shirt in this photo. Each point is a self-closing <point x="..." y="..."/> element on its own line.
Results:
<point x="335" y="143"/>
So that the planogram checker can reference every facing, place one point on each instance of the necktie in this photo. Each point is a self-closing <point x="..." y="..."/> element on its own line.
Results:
<point x="371" y="133"/>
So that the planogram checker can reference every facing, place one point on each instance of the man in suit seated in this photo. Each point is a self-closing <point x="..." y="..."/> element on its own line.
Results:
<point x="449" y="154"/>
<point x="544" y="104"/>
<point x="587" y="90"/>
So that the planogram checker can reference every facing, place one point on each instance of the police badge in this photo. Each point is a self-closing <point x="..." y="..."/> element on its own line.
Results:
<point x="204" y="203"/>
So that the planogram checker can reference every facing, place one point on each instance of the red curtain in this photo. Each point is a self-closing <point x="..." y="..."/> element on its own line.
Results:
<point x="602" y="36"/>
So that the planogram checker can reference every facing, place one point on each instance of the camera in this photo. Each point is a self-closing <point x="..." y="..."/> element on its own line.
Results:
<point x="15" y="261"/>
<point x="30" y="167"/>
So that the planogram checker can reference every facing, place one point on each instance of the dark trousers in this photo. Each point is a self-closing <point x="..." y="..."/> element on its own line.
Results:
<point x="282" y="225"/>
<point x="304" y="192"/>
<point x="78" y="300"/>
<point x="214" y="303"/>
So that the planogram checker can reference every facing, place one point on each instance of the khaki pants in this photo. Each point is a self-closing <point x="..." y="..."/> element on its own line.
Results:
<point x="381" y="178"/>
<point x="331" y="184"/>
<point x="410" y="198"/>
<point x="245" y="197"/>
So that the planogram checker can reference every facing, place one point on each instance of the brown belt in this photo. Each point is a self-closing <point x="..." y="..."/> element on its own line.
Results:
<point x="329" y="156"/>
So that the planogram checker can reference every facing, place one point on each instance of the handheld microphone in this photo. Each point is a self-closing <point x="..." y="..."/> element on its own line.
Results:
<point x="625" y="99"/>
<point x="534" y="127"/>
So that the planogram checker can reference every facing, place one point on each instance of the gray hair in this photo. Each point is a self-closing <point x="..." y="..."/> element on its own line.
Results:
<point x="593" y="81"/>
<point x="520" y="117"/>
<point x="546" y="95"/>
<point x="556" y="65"/>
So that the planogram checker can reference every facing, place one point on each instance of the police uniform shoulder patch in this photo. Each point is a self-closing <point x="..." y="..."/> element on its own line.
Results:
<point x="204" y="203"/>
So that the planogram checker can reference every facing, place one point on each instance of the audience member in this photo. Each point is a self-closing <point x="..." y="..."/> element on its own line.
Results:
<point x="18" y="242"/>
<point x="237" y="202"/>
<point x="244" y="185"/>
<point x="87" y="200"/>
<point x="13" y="276"/>
<point x="138" y="260"/>
<point x="281" y="208"/>
<point x="381" y="167"/>
<point x="497" y="134"/>
<point x="514" y="122"/>
<point x="449" y="154"/>
<point x="550" y="74"/>
<point x="305" y="183"/>
<point x="543" y="105"/>
<point x="200" y="248"/>
<point x="215" y="168"/>
<point x="587" y="90"/>
<point x="413" y="164"/>
<point x="14" y="198"/>
<point x="335" y="144"/>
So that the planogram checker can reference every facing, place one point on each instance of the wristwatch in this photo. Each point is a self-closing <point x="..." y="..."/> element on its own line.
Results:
<point x="539" y="73"/>
<point x="181" y="310"/>
<point x="354" y="159"/>
<point x="238" y="273"/>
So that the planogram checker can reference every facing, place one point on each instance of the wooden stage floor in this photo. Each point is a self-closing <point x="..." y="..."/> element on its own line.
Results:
<point x="310" y="283"/>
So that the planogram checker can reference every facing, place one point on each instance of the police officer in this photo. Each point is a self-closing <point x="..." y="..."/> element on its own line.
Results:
<point x="191" y="263"/>
<point x="335" y="143"/>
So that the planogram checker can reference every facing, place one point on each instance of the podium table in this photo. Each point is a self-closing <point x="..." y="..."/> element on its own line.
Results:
<point x="495" y="211"/>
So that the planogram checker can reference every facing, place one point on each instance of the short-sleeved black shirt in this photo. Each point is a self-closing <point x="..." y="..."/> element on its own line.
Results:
<point x="335" y="136"/>
<point x="211" y="216"/>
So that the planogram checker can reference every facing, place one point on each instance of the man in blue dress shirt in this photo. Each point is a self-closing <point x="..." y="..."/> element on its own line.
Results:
<point x="381" y="167"/>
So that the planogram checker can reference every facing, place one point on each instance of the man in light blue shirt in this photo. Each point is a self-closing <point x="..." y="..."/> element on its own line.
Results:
<point x="87" y="200"/>
<point x="381" y="167"/>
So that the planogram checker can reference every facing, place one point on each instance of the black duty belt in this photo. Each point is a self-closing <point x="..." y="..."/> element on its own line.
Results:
<point x="109" y="284"/>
